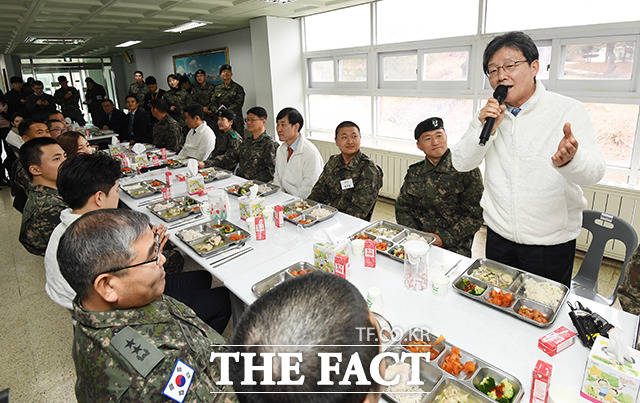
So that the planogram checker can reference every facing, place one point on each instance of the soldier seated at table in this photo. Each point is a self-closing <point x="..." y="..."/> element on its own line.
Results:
<point x="40" y="158"/>
<point x="167" y="133"/>
<point x="310" y="310"/>
<point x="350" y="181"/>
<point x="258" y="150"/>
<point x="437" y="199"/>
<point x="629" y="291"/>
<point x="232" y="141"/>
<point x="131" y="342"/>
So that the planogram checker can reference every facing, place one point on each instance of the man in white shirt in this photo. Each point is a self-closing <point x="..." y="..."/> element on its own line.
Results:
<point x="200" y="140"/>
<point x="541" y="150"/>
<point x="298" y="162"/>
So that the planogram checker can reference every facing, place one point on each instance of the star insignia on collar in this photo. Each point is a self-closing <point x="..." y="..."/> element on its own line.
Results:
<point x="130" y="343"/>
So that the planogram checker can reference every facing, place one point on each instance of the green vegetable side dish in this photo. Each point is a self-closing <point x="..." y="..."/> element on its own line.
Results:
<point x="471" y="288"/>
<point x="502" y="392"/>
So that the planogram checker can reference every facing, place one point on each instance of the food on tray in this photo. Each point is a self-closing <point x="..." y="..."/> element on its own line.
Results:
<point x="398" y="252"/>
<point x="401" y="392"/>
<point x="189" y="235"/>
<point x="502" y="392"/>
<point x="156" y="183"/>
<point x="264" y="188"/>
<point x="209" y="245"/>
<point x="493" y="276"/>
<point x="226" y="229"/>
<point x="301" y="205"/>
<point x="221" y="175"/>
<point x="305" y="221"/>
<point x="420" y="346"/>
<point x="129" y="188"/>
<point x="416" y="237"/>
<point x="532" y="314"/>
<point x="385" y="232"/>
<point x="382" y="246"/>
<point x="320" y="212"/>
<point x="453" y="394"/>
<point x="172" y="212"/>
<point x="234" y="189"/>
<point x="140" y="191"/>
<point x="126" y="171"/>
<point x="243" y="191"/>
<point x="471" y="288"/>
<point x="174" y="163"/>
<point x="293" y="215"/>
<point x="301" y="272"/>
<point x="453" y="365"/>
<point x="500" y="298"/>
<point x="162" y="206"/>
<point x="543" y="292"/>
<point x="236" y="237"/>
<point x="362" y="236"/>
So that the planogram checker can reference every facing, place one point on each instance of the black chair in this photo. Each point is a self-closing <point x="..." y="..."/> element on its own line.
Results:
<point x="368" y="217"/>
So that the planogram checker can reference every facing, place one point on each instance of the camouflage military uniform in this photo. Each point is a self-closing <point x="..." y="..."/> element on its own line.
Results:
<point x="70" y="106"/>
<point x="202" y="94"/>
<point x="179" y="98"/>
<point x="232" y="97"/>
<point x="228" y="160"/>
<point x="442" y="201"/>
<point x="40" y="217"/>
<point x="137" y="365"/>
<point x="629" y="292"/>
<point x="257" y="158"/>
<point x="139" y="91"/>
<point x="167" y="133"/>
<point x="358" y="200"/>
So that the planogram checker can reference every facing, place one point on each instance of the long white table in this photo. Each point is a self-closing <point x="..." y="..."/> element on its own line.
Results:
<point x="500" y="339"/>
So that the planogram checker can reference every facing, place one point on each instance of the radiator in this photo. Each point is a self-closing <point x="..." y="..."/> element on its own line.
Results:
<point x="618" y="201"/>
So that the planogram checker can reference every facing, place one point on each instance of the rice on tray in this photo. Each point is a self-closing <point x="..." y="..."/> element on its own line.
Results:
<point x="543" y="292"/>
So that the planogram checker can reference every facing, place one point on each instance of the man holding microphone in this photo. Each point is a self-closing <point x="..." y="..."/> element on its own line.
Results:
<point x="541" y="149"/>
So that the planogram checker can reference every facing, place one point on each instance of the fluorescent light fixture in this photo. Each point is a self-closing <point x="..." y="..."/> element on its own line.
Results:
<point x="187" y="26"/>
<point x="55" y="41"/>
<point x="279" y="1"/>
<point x="127" y="44"/>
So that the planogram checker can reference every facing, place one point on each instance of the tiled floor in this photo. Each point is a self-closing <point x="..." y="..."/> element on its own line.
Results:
<point x="36" y="334"/>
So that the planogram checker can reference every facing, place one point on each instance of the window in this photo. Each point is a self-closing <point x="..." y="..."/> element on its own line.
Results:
<point x="615" y="129"/>
<point x="505" y="15"/>
<point x="544" y="57"/>
<point x="348" y="27"/>
<point x="598" y="61"/>
<point x="352" y="69"/>
<point x="413" y="20"/>
<point x="399" y="67"/>
<point x="445" y="66"/>
<point x="321" y="71"/>
<point x="327" y="111"/>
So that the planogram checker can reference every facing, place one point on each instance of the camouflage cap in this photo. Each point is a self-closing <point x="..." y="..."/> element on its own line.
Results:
<point x="200" y="71"/>
<point x="428" y="125"/>
<point x="224" y="67"/>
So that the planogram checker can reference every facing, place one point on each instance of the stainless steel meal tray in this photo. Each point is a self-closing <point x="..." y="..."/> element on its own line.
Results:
<point x="150" y="190"/>
<point x="213" y="231"/>
<point x="179" y="201"/>
<point x="263" y="286"/>
<point x="307" y="213"/>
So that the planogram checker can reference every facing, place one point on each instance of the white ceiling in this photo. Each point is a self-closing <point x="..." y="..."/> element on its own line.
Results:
<point x="109" y="22"/>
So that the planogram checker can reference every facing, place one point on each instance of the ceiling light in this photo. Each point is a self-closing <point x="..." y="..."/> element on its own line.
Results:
<point x="187" y="26"/>
<point x="127" y="44"/>
<point x="55" y="41"/>
<point x="279" y="1"/>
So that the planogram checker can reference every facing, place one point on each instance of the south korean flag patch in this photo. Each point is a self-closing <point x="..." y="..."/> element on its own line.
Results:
<point x="179" y="382"/>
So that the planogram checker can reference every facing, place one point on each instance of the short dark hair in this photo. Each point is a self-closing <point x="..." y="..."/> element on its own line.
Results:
<point x="50" y="122"/>
<point x="16" y="79"/>
<point x="347" y="123"/>
<point x="62" y="79"/>
<point x="161" y="105"/>
<point x="195" y="110"/>
<point x="107" y="100"/>
<point x="131" y="96"/>
<point x="150" y="80"/>
<point x="69" y="142"/>
<point x="259" y="111"/>
<point x="96" y="242"/>
<point x="25" y="125"/>
<point x="38" y="82"/>
<point x="312" y="310"/>
<point x="516" y="40"/>
<point x="293" y="116"/>
<point x="15" y="115"/>
<point x="31" y="152"/>
<point x="184" y="79"/>
<point x="84" y="175"/>
<point x="138" y="72"/>
<point x="226" y="113"/>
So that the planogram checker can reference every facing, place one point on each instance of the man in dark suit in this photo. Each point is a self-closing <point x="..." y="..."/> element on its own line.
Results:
<point x="138" y="122"/>
<point x="114" y="119"/>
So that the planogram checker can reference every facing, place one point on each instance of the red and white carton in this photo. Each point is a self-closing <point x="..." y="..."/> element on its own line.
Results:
<point x="155" y="160"/>
<point x="341" y="267"/>
<point x="261" y="231"/>
<point x="540" y="383"/>
<point x="167" y="176"/>
<point x="370" y="253"/>
<point x="181" y="177"/>
<point x="166" y="193"/>
<point x="163" y="153"/>
<point x="556" y="341"/>
<point x="278" y="216"/>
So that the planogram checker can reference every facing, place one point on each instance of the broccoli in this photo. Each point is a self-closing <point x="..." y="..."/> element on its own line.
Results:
<point x="487" y="384"/>
<point x="508" y="389"/>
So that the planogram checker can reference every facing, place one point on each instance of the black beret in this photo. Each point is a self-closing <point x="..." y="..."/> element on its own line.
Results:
<point x="224" y="67"/>
<point x="200" y="71"/>
<point x="428" y="125"/>
<point x="226" y="113"/>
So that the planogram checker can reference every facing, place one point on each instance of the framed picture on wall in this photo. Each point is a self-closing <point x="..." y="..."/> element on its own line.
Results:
<point x="207" y="60"/>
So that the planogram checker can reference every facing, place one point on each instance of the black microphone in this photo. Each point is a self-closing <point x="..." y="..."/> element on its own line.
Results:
<point x="500" y="94"/>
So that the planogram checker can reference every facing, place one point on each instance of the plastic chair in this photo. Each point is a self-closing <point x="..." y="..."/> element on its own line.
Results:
<point x="603" y="227"/>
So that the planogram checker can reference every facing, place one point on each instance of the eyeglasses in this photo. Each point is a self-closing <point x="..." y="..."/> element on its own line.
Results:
<point x="507" y="67"/>
<point x="156" y="259"/>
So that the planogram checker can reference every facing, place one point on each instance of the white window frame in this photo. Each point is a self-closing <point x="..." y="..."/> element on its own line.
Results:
<point x="426" y="85"/>
<point x="397" y="83"/>
<point x="320" y="84"/>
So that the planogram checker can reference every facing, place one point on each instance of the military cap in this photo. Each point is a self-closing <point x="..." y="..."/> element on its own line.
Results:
<point x="226" y="113"/>
<point x="200" y="71"/>
<point x="224" y="67"/>
<point x="428" y="125"/>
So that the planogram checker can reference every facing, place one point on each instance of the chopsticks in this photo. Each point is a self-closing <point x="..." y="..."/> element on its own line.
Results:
<point x="146" y="202"/>
<point x="227" y="259"/>
<point x="185" y="221"/>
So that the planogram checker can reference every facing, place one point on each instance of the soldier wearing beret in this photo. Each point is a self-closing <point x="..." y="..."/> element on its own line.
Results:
<point x="230" y="95"/>
<point x="231" y="143"/>
<point x="350" y="181"/>
<point x="437" y="199"/>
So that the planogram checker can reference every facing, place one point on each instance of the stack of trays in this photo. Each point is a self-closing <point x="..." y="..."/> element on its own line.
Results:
<point x="213" y="237"/>
<point x="214" y="174"/>
<point x="298" y="269"/>
<point x="175" y="209"/>
<point x="264" y="189"/>
<point x="307" y="212"/>
<point x="391" y="237"/>
<point x="486" y="277"/>
<point x="142" y="189"/>
<point x="436" y="380"/>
